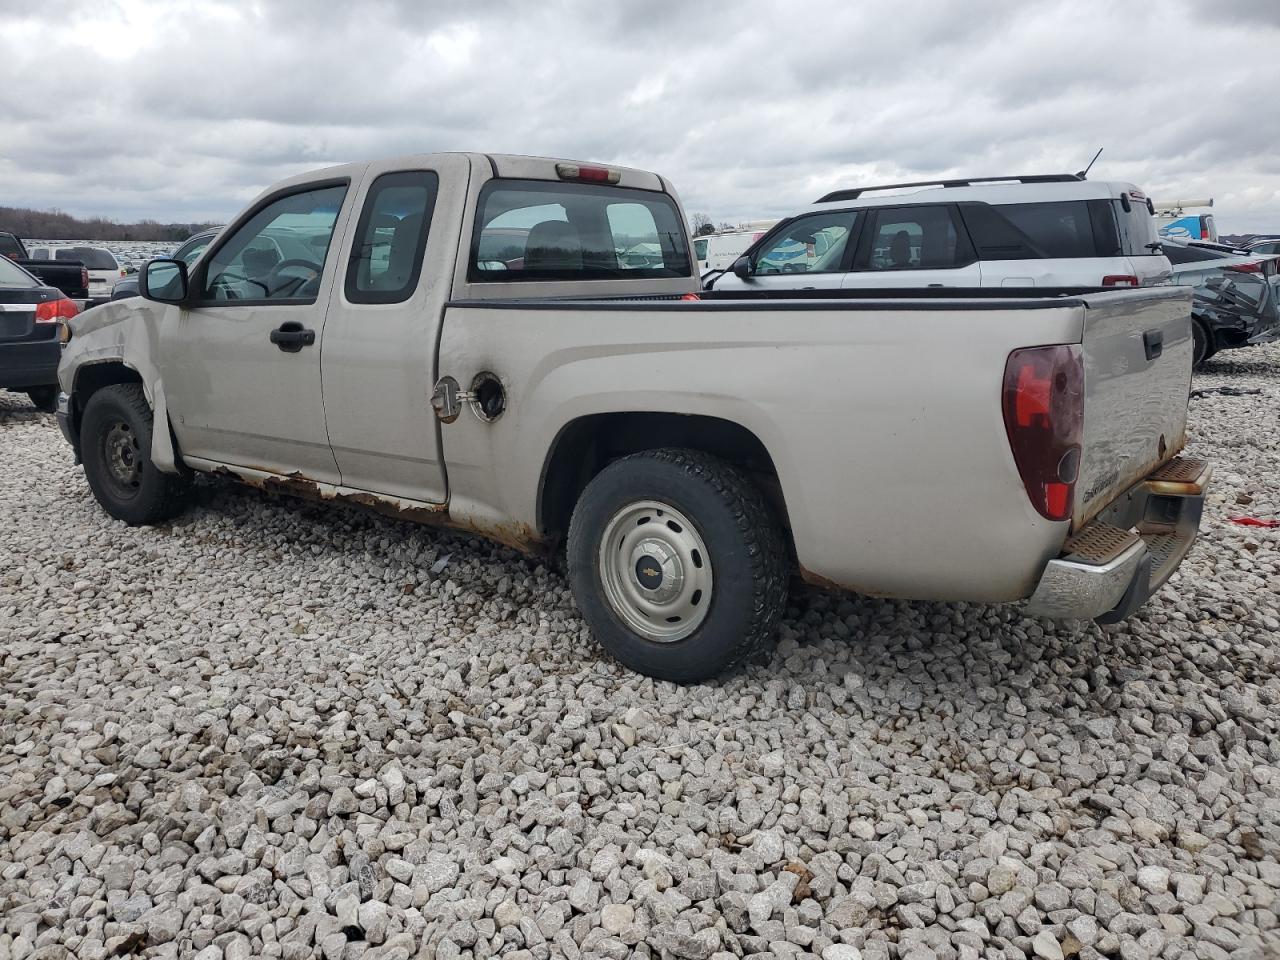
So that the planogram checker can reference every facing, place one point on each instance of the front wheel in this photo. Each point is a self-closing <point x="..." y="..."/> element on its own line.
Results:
<point x="677" y="563"/>
<point x="115" y="445"/>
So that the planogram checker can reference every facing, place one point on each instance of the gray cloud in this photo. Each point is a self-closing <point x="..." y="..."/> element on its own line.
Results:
<point x="184" y="110"/>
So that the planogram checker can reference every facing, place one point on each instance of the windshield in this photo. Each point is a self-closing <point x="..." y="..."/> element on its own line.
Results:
<point x="94" y="258"/>
<point x="12" y="275"/>
<point x="541" y="230"/>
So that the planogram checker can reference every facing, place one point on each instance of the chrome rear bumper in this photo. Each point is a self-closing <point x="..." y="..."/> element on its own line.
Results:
<point x="1109" y="568"/>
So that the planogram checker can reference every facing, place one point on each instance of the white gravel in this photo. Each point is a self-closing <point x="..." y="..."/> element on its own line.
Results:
<point x="269" y="730"/>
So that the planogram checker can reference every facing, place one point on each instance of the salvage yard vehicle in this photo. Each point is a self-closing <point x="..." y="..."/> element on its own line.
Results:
<point x="71" y="277"/>
<point x="100" y="263"/>
<point x="32" y="319"/>
<point x="1030" y="231"/>
<point x="690" y="453"/>
<point x="1237" y="295"/>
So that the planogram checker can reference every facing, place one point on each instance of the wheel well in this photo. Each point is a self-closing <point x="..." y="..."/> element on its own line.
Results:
<point x="92" y="378"/>
<point x="587" y="445"/>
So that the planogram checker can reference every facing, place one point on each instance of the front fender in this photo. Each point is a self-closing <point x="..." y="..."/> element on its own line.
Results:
<point x="125" y="332"/>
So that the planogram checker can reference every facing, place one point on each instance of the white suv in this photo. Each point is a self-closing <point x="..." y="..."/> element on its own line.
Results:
<point x="1056" y="230"/>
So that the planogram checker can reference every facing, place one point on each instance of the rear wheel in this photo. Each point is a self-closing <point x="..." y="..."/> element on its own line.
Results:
<point x="115" y="445"/>
<point x="44" y="398"/>
<point x="677" y="563"/>
<point x="1202" y="345"/>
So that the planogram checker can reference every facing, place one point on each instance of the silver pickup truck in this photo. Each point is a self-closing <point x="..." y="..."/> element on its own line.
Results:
<point x="513" y="346"/>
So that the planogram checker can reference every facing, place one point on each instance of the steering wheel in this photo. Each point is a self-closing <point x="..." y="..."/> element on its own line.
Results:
<point x="225" y="280"/>
<point x="270" y="280"/>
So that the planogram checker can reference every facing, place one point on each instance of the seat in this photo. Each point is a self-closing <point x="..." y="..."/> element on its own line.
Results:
<point x="404" y="244"/>
<point x="553" y="245"/>
<point x="900" y="251"/>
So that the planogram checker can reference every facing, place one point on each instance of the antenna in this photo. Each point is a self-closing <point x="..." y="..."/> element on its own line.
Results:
<point x="1085" y="172"/>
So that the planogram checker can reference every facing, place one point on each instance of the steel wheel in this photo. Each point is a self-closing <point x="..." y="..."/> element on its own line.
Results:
<point x="656" y="571"/>
<point x="124" y="459"/>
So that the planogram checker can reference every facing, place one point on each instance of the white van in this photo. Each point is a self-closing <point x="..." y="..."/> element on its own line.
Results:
<point x="1055" y="230"/>
<point x="717" y="251"/>
<point x="104" y="270"/>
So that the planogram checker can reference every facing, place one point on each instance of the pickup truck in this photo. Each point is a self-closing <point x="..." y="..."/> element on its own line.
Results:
<point x="72" y="278"/>
<point x="460" y="339"/>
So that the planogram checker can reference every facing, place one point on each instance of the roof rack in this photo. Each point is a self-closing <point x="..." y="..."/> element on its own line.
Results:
<point x="1033" y="178"/>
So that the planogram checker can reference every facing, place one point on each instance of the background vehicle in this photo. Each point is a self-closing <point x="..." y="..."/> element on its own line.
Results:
<point x="717" y="251"/>
<point x="72" y="278"/>
<point x="690" y="453"/>
<point x="31" y="315"/>
<point x="1236" y="295"/>
<point x="1052" y="230"/>
<point x="1270" y="246"/>
<point x="1173" y="221"/>
<point x="191" y="248"/>
<point x="103" y="268"/>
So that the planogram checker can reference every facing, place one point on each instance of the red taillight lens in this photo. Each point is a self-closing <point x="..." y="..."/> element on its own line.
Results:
<point x="51" y="311"/>
<point x="1254" y="267"/>
<point x="1120" y="280"/>
<point x="84" y="278"/>
<point x="1043" y="402"/>
<point x="690" y="296"/>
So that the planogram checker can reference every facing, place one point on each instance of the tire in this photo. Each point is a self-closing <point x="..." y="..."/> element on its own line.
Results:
<point x="44" y="398"/>
<point x="714" y="556"/>
<point x="115" y="446"/>
<point x="1202" y="344"/>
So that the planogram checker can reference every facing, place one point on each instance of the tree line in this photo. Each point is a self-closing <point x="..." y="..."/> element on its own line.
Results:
<point x="56" y="225"/>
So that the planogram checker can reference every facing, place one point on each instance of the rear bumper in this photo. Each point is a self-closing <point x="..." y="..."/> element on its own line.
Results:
<point x="29" y="363"/>
<point x="1109" y="568"/>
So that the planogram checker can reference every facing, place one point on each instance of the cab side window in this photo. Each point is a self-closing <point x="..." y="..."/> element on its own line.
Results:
<point x="814" y="244"/>
<point x="278" y="255"/>
<point x="916" y="238"/>
<point x="386" y="258"/>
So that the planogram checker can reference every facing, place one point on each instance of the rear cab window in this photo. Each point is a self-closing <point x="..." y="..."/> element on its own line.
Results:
<point x="532" y="230"/>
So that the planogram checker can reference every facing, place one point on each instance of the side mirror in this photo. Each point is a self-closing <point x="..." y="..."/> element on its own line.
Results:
<point x="164" y="281"/>
<point x="742" y="268"/>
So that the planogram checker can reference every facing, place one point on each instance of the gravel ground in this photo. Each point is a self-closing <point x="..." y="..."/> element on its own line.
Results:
<point x="274" y="729"/>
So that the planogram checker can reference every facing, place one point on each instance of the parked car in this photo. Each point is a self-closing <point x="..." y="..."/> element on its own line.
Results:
<point x="72" y="278"/>
<point x="1050" y="230"/>
<point x="692" y="453"/>
<point x="1237" y="295"/>
<point x="191" y="248"/>
<point x="103" y="268"/>
<point x="32" y="315"/>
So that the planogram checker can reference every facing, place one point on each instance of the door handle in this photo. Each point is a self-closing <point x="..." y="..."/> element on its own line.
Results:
<point x="291" y="336"/>
<point x="1153" y="343"/>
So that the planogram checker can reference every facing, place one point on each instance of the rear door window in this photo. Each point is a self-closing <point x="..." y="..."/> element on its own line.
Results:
<point x="812" y="244"/>
<point x="386" y="257"/>
<point x="529" y="230"/>
<point x="914" y="238"/>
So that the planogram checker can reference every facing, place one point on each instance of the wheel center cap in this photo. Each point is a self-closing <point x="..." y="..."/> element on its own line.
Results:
<point x="658" y="570"/>
<point x="649" y="572"/>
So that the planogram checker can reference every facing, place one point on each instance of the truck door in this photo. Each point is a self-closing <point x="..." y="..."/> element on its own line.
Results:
<point x="242" y="366"/>
<point x="922" y="246"/>
<point x="379" y="356"/>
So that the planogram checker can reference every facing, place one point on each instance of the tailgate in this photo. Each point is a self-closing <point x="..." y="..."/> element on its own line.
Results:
<point x="1137" y="375"/>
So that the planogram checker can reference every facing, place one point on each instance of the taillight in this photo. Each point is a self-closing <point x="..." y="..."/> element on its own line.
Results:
<point x="1254" y="266"/>
<point x="1043" y="400"/>
<point x="84" y="278"/>
<point x="576" y="171"/>
<point x="690" y="296"/>
<point x="51" y="311"/>
<point x="1120" y="280"/>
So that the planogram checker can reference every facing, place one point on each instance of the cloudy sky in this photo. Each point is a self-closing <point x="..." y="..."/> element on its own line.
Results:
<point x="182" y="111"/>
